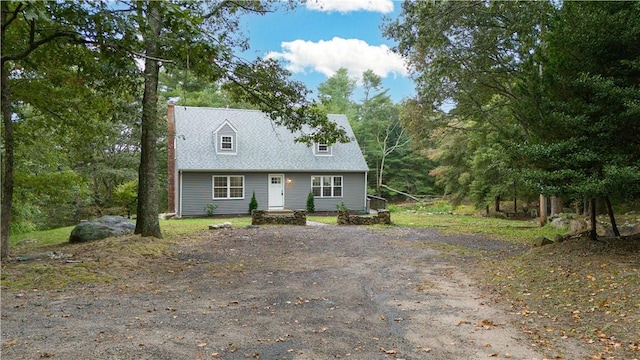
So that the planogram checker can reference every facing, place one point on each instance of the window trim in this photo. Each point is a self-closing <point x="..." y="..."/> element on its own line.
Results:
<point x="218" y="136"/>
<point x="228" y="187"/>
<point x="223" y="143"/>
<point x="328" y="151"/>
<point x="332" y="186"/>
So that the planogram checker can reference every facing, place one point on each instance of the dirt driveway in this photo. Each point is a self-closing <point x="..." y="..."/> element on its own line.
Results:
<point x="315" y="292"/>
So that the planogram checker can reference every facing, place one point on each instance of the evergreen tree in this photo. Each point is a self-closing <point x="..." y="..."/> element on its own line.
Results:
<point x="253" y="204"/>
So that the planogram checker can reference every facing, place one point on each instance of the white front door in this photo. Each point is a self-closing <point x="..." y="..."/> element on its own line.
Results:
<point x="276" y="191"/>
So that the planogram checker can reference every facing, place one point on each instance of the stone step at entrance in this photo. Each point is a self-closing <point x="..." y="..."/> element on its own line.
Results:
<point x="280" y="212"/>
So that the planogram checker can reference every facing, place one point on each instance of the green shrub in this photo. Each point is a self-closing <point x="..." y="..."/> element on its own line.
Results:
<point x="311" y="206"/>
<point x="210" y="209"/>
<point x="126" y="195"/>
<point x="253" y="204"/>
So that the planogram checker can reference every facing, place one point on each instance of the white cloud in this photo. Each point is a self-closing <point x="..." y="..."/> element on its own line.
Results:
<point x="327" y="57"/>
<point x="343" y="6"/>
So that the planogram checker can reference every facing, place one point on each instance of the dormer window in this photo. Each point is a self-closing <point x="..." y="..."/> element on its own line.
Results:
<point x="226" y="142"/>
<point x="225" y="139"/>
<point x="322" y="149"/>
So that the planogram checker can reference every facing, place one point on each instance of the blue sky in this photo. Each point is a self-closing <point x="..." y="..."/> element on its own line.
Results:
<point x="315" y="40"/>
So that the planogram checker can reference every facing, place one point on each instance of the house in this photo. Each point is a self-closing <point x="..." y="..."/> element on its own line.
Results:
<point x="222" y="156"/>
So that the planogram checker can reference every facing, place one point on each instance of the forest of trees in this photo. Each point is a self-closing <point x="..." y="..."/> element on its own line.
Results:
<point x="513" y="99"/>
<point x="546" y="98"/>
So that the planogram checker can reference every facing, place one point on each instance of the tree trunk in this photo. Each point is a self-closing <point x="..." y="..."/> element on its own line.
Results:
<point x="586" y="207"/>
<point x="592" y="209"/>
<point x="7" y="157"/>
<point x="515" y="196"/>
<point x="496" y="203"/>
<point x="378" y="191"/>
<point x="612" y="217"/>
<point x="380" y="173"/>
<point x="543" y="210"/>
<point x="147" y="223"/>
<point x="554" y="205"/>
<point x="7" y="162"/>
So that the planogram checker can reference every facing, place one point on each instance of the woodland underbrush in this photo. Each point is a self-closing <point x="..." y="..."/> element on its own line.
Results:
<point x="580" y="289"/>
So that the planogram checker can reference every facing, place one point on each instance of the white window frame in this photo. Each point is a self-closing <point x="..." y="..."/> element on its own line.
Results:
<point x="322" y="149"/>
<point x="228" y="187"/>
<point x="218" y="135"/>
<point x="223" y="143"/>
<point x="332" y="186"/>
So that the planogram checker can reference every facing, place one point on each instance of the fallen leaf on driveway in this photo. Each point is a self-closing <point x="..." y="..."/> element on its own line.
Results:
<point x="486" y="324"/>
<point x="388" y="352"/>
<point x="11" y="342"/>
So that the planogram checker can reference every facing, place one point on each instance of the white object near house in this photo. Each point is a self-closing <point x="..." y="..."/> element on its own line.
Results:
<point x="222" y="156"/>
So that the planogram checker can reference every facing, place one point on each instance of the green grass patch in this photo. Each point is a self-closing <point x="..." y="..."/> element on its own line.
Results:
<point x="170" y="229"/>
<point x="40" y="238"/>
<point x="175" y="228"/>
<point x="325" y="219"/>
<point x="517" y="231"/>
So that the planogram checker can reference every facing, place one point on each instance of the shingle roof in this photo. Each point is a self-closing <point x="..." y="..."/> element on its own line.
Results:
<point x="261" y="145"/>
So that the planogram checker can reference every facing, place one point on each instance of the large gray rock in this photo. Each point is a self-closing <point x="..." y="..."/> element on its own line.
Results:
<point x="578" y="226"/>
<point x="104" y="227"/>
<point x="559" y="222"/>
<point x="541" y="241"/>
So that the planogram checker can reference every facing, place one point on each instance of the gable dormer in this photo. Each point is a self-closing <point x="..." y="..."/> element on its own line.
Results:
<point x="322" y="149"/>
<point x="225" y="139"/>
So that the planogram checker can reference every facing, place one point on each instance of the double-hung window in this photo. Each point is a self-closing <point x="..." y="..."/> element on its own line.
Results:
<point x="226" y="142"/>
<point x="228" y="187"/>
<point x="322" y="149"/>
<point x="225" y="139"/>
<point x="326" y="186"/>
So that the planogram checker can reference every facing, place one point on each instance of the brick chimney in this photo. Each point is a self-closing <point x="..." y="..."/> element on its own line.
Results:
<point x="171" y="145"/>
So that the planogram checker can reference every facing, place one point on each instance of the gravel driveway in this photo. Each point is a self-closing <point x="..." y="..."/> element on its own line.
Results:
<point x="314" y="292"/>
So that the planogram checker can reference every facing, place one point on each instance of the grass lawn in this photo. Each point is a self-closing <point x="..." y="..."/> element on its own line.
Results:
<point x="170" y="229"/>
<point x="579" y="288"/>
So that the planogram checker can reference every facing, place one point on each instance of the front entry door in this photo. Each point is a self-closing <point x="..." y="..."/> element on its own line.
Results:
<point x="276" y="191"/>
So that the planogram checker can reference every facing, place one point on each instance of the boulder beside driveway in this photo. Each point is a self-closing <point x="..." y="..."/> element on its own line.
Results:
<point x="104" y="227"/>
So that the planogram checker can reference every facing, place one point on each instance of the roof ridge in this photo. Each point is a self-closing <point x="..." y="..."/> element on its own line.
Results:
<point x="217" y="108"/>
<point x="237" y="109"/>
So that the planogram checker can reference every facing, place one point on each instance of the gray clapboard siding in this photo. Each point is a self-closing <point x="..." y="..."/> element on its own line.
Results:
<point x="197" y="192"/>
<point x="353" y="192"/>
